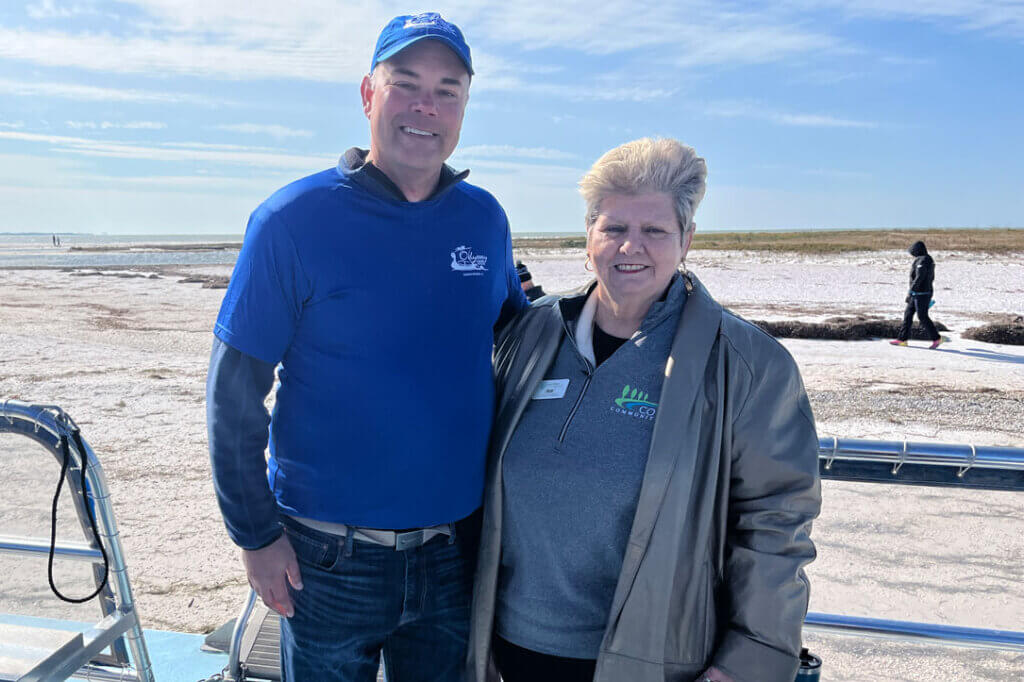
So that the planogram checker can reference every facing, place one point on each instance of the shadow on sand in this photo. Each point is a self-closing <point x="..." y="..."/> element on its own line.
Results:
<point x="980" y="353"/>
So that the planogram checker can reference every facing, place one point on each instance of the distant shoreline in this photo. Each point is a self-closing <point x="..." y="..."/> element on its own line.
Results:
<point x="966" y="240"/>
<point x="196" y="246"/>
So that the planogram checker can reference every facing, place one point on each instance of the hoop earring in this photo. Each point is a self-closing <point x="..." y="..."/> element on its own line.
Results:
<point x="687" y="279"/>
<point x="586" y="264"/>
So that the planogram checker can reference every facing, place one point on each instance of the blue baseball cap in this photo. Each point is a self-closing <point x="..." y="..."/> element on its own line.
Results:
<point x="403" y="31"/>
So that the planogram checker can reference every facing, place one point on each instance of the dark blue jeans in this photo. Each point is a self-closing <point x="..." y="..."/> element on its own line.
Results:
<point x="411" y="605"/>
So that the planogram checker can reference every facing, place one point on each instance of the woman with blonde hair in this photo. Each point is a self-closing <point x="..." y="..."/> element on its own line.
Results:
<point x="653" y="473"/>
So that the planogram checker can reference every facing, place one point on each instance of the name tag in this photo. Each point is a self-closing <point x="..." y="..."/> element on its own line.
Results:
<point x="551" y="389"/>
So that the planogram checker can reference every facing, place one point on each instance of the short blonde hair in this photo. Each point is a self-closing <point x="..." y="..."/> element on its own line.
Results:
<point x="648" y="165"/>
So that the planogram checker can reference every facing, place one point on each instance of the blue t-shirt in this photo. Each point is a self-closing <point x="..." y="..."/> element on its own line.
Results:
<point x="380" y="313"/>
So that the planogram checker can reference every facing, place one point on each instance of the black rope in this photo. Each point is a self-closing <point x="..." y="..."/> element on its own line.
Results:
<point x="66" y="451"/>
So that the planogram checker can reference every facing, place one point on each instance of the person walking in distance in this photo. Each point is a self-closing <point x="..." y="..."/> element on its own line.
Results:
<point x="919" y="298"/>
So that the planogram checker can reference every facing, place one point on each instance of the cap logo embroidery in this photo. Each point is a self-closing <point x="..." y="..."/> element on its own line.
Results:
<point x="413" y="23"/>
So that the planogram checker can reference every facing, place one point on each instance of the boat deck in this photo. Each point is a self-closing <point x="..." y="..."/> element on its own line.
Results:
<point x="175" y="655"/>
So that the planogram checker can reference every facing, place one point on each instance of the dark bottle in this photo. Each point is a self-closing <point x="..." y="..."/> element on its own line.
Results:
<point x="810" y="667"/>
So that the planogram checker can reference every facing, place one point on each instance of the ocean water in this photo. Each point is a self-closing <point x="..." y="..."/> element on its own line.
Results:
<point x="134" y="250"/>
<point x="37" y="250"/>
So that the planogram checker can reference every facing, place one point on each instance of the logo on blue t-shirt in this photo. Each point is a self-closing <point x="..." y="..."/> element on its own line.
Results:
<point x="465" y="262"/>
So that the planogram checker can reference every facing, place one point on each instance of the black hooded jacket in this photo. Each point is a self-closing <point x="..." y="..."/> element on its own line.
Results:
<point x="922" y="272"/>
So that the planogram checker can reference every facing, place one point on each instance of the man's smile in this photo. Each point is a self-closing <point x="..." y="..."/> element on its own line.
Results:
<point x="416" y="131"/>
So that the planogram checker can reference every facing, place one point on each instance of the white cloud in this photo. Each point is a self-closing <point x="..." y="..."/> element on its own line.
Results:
<point x="685" y="33"/>
<point x="74" y="91"/>
<point x="510" y="151"/>
<point x="112" y="125"/>
<point x="537" y="172"/>
<point x="192" y="153"/>
<point x="837" y="173"/>
<point x="48" y="9"/>
<point x="816" y="120"/>
<point x="200" y="183"/>
<point x="139" y="209"/>
<point x="817" y="171"/>
<point x="217" y="146"/>
<point x="30" y="169"/>
<point x="996" y="17"/>
<point x="763" y="112"/>
<point x="604" y="92"/>
<point x="827" y="77"/>
<point x="15" y="125"/>
<point x="605" y="89"/>
<point x="186" y="55"/>
<point x="327" y="41"/>
<point x="746" y="44"/>
<point x="315" y="40"/>
<point x="59" y="171"/>
<point x="277" y="131"/>
<point x="899" y="60"/>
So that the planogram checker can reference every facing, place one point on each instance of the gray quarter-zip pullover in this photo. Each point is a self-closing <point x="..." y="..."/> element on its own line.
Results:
<point x="572" y="476"/>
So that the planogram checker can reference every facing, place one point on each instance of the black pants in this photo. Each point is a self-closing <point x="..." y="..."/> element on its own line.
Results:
<point x="918" y="303"/>
<point x="517" y="664"/>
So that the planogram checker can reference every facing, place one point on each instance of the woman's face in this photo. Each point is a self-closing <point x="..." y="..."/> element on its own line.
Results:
<point x="635" y="246"/>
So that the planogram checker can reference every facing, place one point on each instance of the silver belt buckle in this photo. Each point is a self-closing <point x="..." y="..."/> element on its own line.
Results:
<point x="413" y="538"/>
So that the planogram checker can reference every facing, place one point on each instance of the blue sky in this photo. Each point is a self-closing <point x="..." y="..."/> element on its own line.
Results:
<point x="180" y="116"/>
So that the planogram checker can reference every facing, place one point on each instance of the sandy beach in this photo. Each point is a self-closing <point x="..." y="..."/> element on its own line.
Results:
<point x="126" y="357"/>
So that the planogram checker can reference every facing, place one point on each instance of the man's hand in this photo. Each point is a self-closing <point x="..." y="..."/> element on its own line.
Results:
<point x="715" y="675"/>
<point x="268" y="568"/>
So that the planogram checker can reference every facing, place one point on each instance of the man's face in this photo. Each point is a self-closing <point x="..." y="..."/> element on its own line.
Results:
<point x="415" y="102"/>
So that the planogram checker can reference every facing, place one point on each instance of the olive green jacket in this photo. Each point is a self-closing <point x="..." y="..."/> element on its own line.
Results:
<point x="713" y="570"/>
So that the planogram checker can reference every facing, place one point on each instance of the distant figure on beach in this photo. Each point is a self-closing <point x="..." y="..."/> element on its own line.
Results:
<point x="532" y="291"/>
<point x="374" y="288"/>
<point x="654" y="466"/>
<point x="919" y="298"/>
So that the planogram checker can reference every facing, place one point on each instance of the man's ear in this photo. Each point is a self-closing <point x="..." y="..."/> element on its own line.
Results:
<point x="366" y="92"/>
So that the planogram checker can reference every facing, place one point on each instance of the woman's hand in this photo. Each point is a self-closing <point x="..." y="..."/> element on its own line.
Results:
<point x="713" y="674"/>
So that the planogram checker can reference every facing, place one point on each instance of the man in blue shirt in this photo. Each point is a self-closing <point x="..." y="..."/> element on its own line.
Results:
<point x="373" y="288"/>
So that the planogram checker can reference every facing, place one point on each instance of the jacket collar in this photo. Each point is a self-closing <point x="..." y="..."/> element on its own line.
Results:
<point x="578" y="309"/>
<point x="695" y="336"/>
<point x="353" y="164"/>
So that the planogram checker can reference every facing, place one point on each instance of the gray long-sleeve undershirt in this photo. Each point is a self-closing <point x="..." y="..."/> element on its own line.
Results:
<point x="237" y="428"/>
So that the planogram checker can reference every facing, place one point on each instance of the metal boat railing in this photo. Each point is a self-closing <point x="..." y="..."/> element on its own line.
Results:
<point x="900" y="462"/>
<point x="929" y="464"/>
<point x="932" y="464"/>
<point x="921" y="633"/>
<point x="47" y="424"/>
<point x="234" y="669"/>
